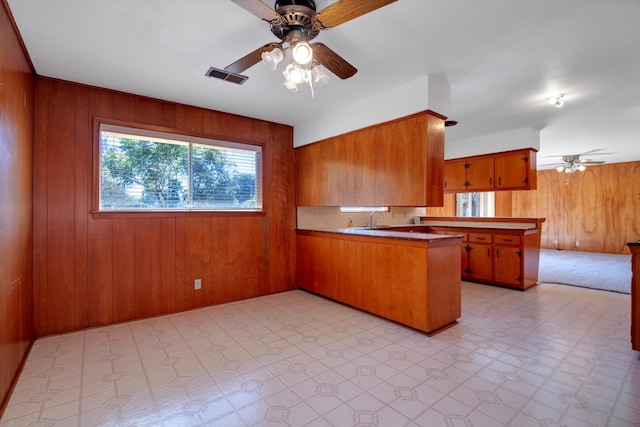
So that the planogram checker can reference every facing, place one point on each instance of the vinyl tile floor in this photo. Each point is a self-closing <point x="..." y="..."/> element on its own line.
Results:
<point x="551" y="356"/>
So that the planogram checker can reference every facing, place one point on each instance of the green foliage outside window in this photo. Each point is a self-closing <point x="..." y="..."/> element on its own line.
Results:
<point x="153" y="174"/>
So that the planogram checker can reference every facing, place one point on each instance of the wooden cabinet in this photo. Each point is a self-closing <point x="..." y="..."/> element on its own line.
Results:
<point x="511" y="170"/>
<point x="455" y="175"/>
<point x="480" y="260"/>
<point x="480" y="173"/>
<point x="507" y="267"/>
<point x="516" y="171"/>
<point x="397" y="163"/>
<point x="500" y="256"/>
<point x="635" y="295"/>
<point x="415" y="283"/>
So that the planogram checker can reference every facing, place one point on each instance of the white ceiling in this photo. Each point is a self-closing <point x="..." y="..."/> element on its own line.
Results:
<point x="502" y="59"/>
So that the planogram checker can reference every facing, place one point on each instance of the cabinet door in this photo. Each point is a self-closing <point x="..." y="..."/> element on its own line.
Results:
<point x="464" y="265"/>
<point x="507" y="265"/>
<point x="319" y="175"/>
<point x="512" y="171"/>
<point x="480" y="261"/>
<point x="455" y="177"/>
<point x="480" y="174"/>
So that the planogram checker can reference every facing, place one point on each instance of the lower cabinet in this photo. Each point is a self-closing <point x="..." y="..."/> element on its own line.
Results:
<point x="501" y="257"/>
<point x="635" y="294"/>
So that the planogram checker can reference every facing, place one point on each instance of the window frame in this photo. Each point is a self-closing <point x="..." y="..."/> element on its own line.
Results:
<point x="169" y="213"/>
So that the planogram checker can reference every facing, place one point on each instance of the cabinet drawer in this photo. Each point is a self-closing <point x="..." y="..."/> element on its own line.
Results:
<point x="506" y="239"/>
<point x="480" y="237"/>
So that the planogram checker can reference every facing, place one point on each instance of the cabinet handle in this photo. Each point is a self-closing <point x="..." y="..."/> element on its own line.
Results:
<point x="491" y="182"/>
<point x="499" y="181"/>
<point x="507" y="240"/>
<point x="497" y="253"/>
<point x="479" y="238"/>
<point x="489" y="252"/>
<point x="445" y="184"/>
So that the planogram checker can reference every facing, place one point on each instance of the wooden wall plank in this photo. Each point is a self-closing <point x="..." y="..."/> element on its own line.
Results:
<point x="82" y="202"/>
<point x="599" y="207"/>
<point x="219" y="274"/>
<point x="166" y="265"/>
<point x="61" y="217"/>
<point x="100" y="285"/>
<point x="16" y="204"/>
<point x="40" y="202"/>
<point x="124" y="271"/>
<point x="281" y="228"/>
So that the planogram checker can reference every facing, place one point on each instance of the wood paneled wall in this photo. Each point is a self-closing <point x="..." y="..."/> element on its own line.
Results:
<point x="95" y="271"/>
<point x="16" y="228"/>
<point x="599" y="207"/>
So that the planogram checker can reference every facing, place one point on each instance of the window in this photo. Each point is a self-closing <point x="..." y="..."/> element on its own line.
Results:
<point x="367" y="209"/>
<point x="142" y="169"/>
<point x="475" y="204"/>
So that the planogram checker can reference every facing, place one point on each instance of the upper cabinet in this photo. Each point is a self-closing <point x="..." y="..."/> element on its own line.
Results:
<point x="516" y="170"/>
<point x="396" y="163"/>
<point x="511" y="170"/>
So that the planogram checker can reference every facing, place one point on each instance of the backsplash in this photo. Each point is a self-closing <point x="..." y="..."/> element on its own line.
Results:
<point x="329" y="217"/>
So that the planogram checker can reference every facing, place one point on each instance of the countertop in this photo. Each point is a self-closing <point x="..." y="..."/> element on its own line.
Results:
<point x="484" y="222"/>
<point x="386" y="233"/>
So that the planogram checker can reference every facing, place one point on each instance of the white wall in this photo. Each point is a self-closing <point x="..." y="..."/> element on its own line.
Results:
<point x="424" y="93"/>
<point x="494" y="143"/>
<point x="330" y="217"/>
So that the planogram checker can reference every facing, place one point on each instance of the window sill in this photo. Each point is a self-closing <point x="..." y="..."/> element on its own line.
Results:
<point x="172" y="214"/>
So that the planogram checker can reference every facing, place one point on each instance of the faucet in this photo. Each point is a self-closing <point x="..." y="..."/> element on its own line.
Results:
<point x="376" y="224"/>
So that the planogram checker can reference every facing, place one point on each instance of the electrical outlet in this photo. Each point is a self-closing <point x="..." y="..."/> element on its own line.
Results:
<point x="197" y="284"/>
<point x="577" y="243"/>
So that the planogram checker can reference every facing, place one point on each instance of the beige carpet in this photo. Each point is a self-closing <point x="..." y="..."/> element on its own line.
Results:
<point x="586" y="269"/>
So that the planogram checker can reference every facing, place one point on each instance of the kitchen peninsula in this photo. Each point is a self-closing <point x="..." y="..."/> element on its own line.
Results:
<point x="412" y="278"/>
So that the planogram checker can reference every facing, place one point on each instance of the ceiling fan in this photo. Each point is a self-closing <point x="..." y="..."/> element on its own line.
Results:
<point x="572" y="163"/>
<point x="296" y="23"/>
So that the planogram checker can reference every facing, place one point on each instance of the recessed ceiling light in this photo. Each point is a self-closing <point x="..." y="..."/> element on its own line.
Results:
<point x="557" y="101"/>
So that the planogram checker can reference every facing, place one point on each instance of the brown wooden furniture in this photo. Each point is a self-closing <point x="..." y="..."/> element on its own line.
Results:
<point x="396" y="163"/>
<point x="634" y="247"/>
<point x="509" y="170"/>
<point x="413" y="281"/>
<point x="498" y="251"/>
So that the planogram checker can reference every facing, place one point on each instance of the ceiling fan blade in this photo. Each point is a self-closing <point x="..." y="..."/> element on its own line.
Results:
<point x="334" y="62"/>
<point x="590" y="162"/>
<point x="261" y="10"/>
<point x="250" y="59"/>
<point x="345" y="10"/>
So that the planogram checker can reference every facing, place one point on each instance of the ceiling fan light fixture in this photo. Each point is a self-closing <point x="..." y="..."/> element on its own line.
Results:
<point x="295" y="74"/>
<point x="272" y="58"/>
<point x="319" y="76"/>
<point x="582" y="168"/>
<point x="560" y="168"/>
<point x="302" y="53"/>
<point x="290" y="86"/>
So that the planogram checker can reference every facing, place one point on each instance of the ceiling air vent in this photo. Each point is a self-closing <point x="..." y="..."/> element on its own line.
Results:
<point x="226" y="75"/>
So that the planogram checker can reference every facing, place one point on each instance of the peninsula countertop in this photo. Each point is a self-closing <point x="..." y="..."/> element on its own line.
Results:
<point x="506" y="223"/>
<point x="400" y="232"/>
